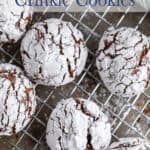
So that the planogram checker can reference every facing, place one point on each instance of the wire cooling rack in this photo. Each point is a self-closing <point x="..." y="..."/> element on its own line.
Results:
<point x="129" y="117"/>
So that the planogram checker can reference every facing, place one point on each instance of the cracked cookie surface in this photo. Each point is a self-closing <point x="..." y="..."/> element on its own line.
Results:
<point x="14" y="21"/>
<point x="123" y="61"/>
<point x="53" y="52"/>
<point x="130" y="144"/>
<point x="17" y="100"/>
<point x="78" y="124"/>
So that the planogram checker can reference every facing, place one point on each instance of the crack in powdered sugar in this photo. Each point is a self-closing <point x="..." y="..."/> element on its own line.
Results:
<point x="130" y="144"/>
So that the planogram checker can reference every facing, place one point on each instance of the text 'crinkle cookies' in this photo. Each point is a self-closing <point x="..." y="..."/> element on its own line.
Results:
<point x="14" y="21"/>
<point x="123" y="61"/>
<point x="130" y="144"/>
<point x="78" y="124"/>
<point x="53" y="52"/>
<point x="17" y="100"/>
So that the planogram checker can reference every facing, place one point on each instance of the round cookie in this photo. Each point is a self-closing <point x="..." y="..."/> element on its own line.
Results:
<point x="17" y="100"/>
<point x="53" y="52"/>
<point x="130" y="144"/>
<point x="123" y="61"/>
<point x="78" y="124"/>
<point x="14" y="21"/>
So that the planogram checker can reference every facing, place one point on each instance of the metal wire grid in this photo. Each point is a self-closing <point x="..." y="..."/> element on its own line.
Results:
<point x="128" y="116"/>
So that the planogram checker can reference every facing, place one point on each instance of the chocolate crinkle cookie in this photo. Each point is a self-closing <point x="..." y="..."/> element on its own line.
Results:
<point x="78" y="124"/>
<point x="14" y="21"/>
<point x="53" y="52"/>
<point x="17" y="100"/>
<point x="130" y="144"/>
<point x="123" y="61"/>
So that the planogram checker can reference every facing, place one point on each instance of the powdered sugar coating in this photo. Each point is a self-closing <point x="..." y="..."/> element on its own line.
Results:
<point x="17" y="100"/>
<point x="53" y="52"/>
<point x="130" y="144"/>
<point x="123" y="61"/>
<point x="14" y="20"/>
<point x="78" y="124"/>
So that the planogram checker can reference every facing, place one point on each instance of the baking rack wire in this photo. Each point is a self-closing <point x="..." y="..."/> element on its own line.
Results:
<point x="118" y="120"/>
